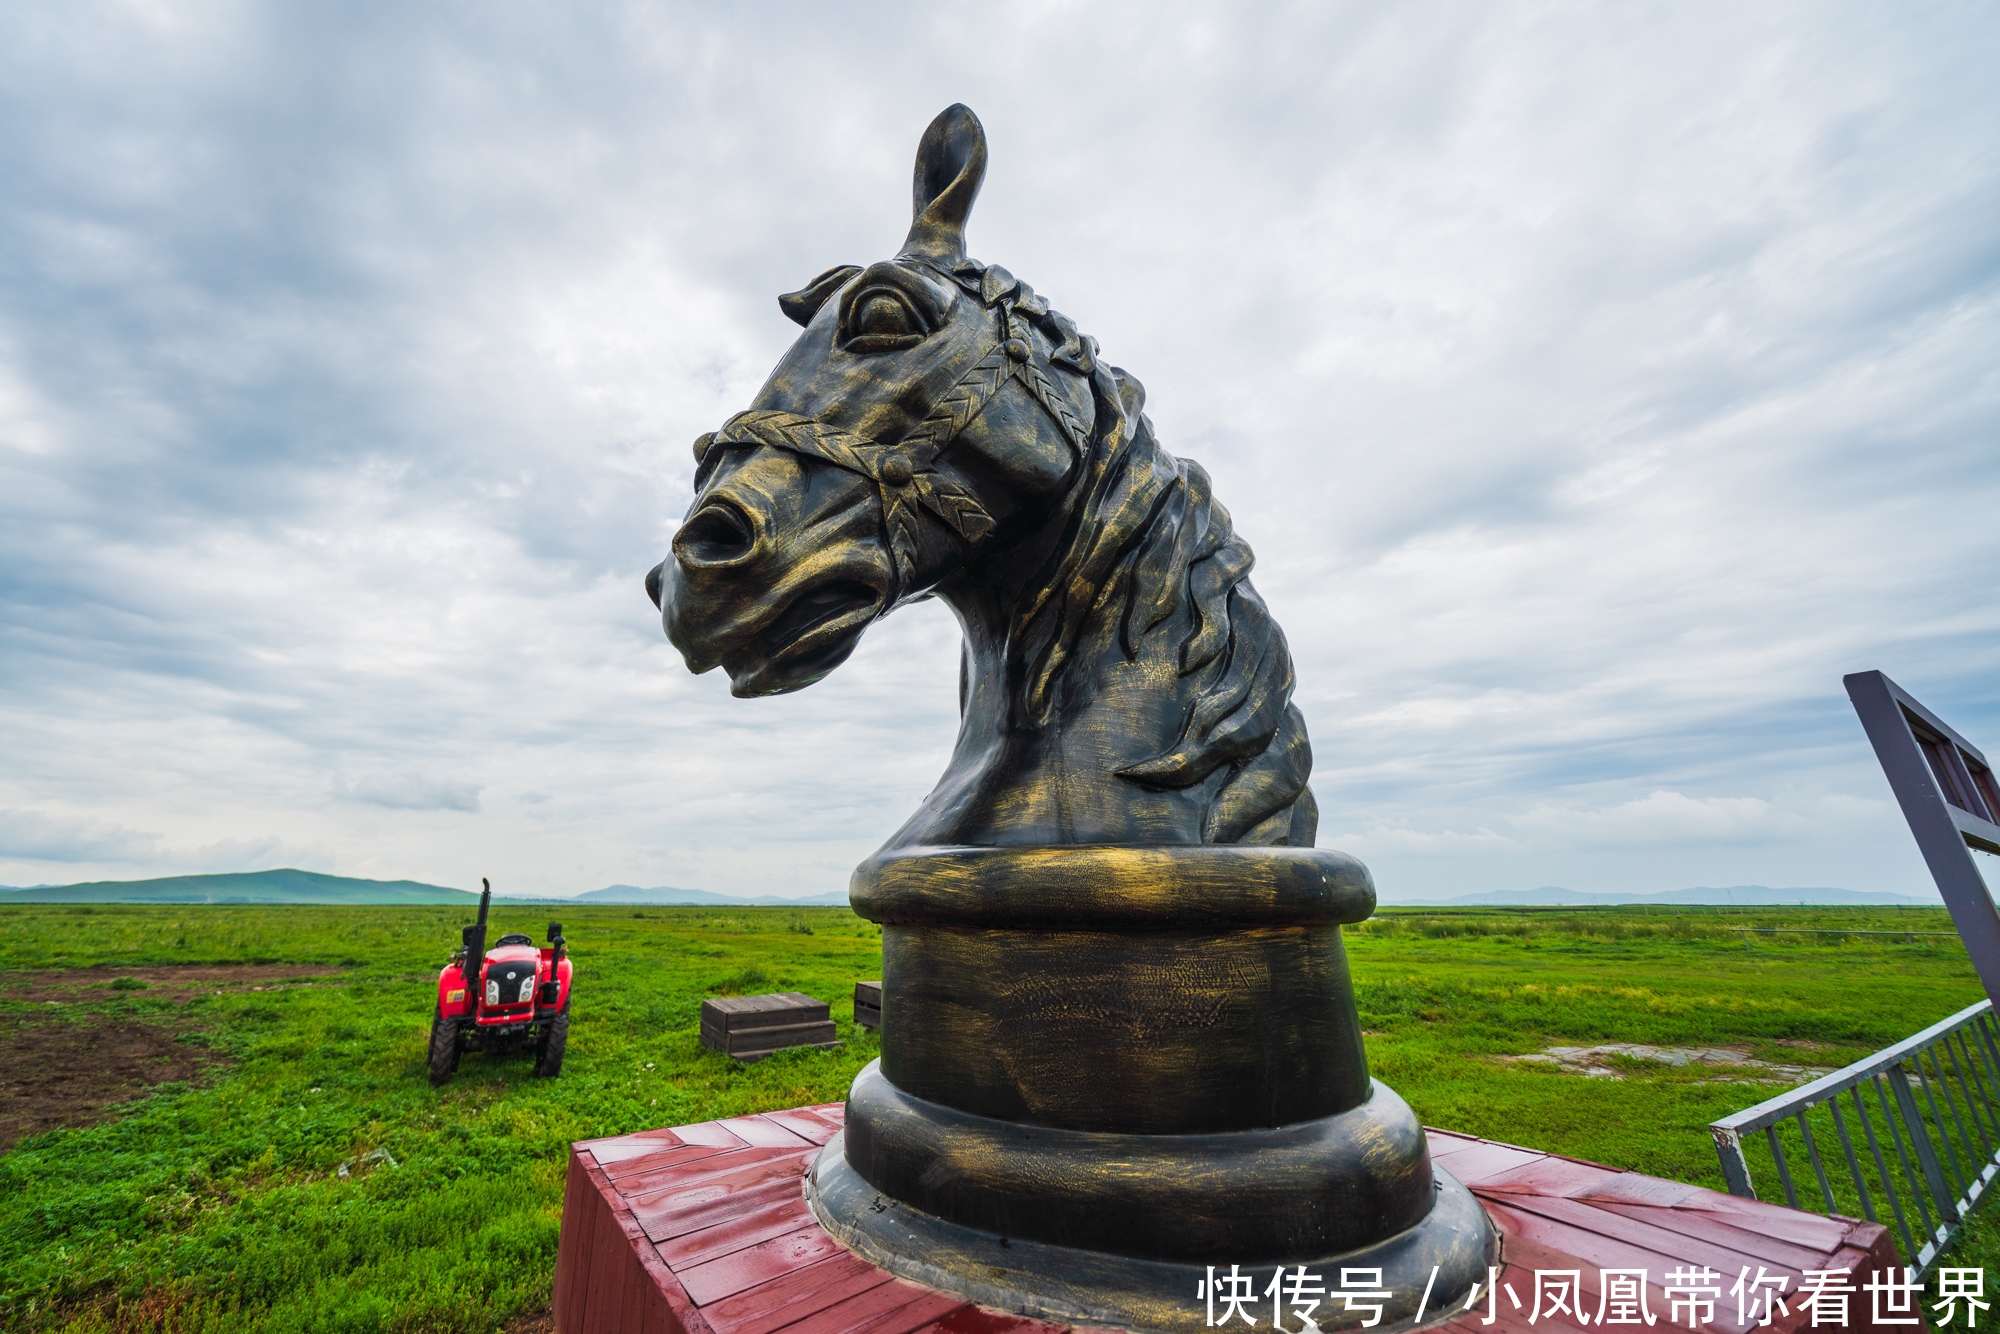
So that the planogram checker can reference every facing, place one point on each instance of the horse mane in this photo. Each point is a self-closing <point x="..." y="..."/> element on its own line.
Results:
<point x="1147" y="551"/>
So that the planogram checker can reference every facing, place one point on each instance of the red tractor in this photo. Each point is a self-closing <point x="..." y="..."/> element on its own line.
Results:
<point x="509" y="998"/>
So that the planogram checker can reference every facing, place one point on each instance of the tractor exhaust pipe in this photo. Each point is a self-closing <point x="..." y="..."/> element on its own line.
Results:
<point x="475" y="946"/>
<point x="551" y="990"/>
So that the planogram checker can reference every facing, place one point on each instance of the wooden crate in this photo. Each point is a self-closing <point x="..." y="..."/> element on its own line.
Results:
<point x="752" y="1027"/>
<point x="868" y="1004"/>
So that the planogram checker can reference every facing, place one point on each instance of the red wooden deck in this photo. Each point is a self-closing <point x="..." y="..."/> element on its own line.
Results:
<point x="704" y="1229"/>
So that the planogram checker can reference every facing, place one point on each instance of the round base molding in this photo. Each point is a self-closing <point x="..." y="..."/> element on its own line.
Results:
<point x="1429" y="1266"/>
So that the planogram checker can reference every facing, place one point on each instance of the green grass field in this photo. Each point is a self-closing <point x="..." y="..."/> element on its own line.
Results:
<point x="216" y="1204"/>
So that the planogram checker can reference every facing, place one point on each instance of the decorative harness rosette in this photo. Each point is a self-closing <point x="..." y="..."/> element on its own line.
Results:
<point x="905" y="472"/>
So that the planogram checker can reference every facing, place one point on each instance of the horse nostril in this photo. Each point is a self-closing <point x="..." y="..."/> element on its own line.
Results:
<point x="716" y="535"/>
<point x="653" y="577"/>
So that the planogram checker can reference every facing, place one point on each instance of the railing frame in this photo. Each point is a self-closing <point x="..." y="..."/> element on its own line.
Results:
<point x="1951" y="799"/>
<point x="1939" y="1186"/>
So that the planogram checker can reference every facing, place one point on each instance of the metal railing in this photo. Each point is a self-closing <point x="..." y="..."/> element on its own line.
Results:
<point x="1937" y="1103"/>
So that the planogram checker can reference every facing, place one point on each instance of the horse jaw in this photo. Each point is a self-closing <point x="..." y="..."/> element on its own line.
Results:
<point x="737" y="594"/>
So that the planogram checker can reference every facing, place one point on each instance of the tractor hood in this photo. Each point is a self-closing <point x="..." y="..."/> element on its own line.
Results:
<point x="510" y="976"/>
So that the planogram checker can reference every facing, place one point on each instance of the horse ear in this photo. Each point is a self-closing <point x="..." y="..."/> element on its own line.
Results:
<point x="802" y="305"/>
<point x="951" y="163"/>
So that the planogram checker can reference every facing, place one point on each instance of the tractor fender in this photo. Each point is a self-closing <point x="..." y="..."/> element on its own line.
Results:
<point x="452" y="997"/>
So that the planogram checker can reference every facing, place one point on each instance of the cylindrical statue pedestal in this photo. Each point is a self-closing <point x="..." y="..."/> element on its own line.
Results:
<point x="1106" y="1069"/>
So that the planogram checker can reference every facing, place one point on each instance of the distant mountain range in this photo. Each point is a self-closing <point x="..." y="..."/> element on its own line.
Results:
<point x="290" y="886"/>
<point x="281" y="886"/>
<point x="311" y="887"/>
<point x="1740" y="895"/>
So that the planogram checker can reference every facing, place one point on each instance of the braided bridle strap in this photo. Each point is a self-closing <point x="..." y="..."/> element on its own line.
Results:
<point x="905" y="473"/>
<point x="903" y="488"/>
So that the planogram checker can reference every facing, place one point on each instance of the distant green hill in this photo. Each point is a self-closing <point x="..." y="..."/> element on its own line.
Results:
<point x="289" y="886"/>
<point x="1739" y="895"/>
<point x="282" y="886"/>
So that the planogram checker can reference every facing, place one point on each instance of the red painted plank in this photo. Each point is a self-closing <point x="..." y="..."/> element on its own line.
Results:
<point x="1685" y="1243"/>
<point x="618" y="1150"/>
<point x="1531" y="1152"/>
<point x="1747" y="1233"/>
<point x="764" y="1132"/>
<point x="894" y="1308"/>
<point x="1596" y="1250"/>
<point x="668" y="1224"/>
<point x="708" y="1132"/>
<point x="917" y="1315"/>
<point x="803" y="1123"/>
<point x="748" y="1228"/>
<point x="717" y="1175"/>
<point x="1793" y="1225"/>
<point x="680" y="1315"/>
<point x="713" y="1178"/>
<point x="1521" y="1257"/>
<point x="655" y="1318"/>
<point x="1550" y="1176"/>
<point x="573" y="1247"/>
<point x="1580" y="1162"/>
<point x="639" y="1295"/>
<point x="981" y="1320"/>
<point x="1871" y="1254"/>
<point x="752" y="1265"/>
<point x="671" y="1134"/>
<point x="650" y="1316"/>
<point x="1479" y="1161"/>
<point x="604" y="1304"/>
<point x="653" y="1162"/>
<point x="794" y="1296"/>
<point x="1638" y="1188"/>
<point x="1524" y="1256"/>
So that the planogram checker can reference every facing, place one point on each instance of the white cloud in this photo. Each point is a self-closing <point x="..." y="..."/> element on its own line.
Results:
<point x="1662" y="817"/>
<point x="36" y="836"/>
<point x="37" y="844"/>
<point x="1596" y="386"/>
<point x="410" y="792"/>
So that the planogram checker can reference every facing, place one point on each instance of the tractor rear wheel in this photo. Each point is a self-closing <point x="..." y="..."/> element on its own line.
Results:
<point x="549" y="1052"/>
<point x="444" y="1047"/>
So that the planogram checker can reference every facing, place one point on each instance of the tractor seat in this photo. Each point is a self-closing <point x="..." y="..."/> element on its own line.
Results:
<point x="512" y="938"/>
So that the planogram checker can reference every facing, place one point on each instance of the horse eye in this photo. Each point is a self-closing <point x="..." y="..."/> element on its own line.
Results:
<point x="883" y="316"/>
<point x="882" y="321"/>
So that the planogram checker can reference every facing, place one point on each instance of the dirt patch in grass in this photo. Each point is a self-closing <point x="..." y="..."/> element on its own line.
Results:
<point x="74" y="1074"/>
<point x="532" y="1322"/>
<point x="65" y="1073"/>
<point x="1616" y="1060"/>
<point x="175" y="982"/>
<point x="73" y="1067"/>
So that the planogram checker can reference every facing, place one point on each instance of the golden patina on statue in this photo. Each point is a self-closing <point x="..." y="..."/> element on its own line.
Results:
<point x="1119" y="1042"/>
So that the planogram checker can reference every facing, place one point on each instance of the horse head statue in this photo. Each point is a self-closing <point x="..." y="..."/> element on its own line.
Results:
<point x="1119" y="1040"/>
<point x="939" y="430"/>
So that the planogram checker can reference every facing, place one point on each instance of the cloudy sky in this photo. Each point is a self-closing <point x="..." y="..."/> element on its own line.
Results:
<point x="1597" y="385"/>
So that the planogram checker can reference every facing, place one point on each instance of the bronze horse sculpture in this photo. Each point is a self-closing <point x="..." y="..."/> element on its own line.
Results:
<point x="1119" y="1042"/>
<point x="939" y="430"/>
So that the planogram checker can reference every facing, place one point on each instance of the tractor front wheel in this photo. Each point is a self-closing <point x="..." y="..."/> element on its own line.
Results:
<point x="444" y="1047"/>
<point x="549" y="1053"/>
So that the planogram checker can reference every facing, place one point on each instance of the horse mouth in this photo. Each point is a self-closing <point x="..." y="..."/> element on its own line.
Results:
<point x="809" y="639"/>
